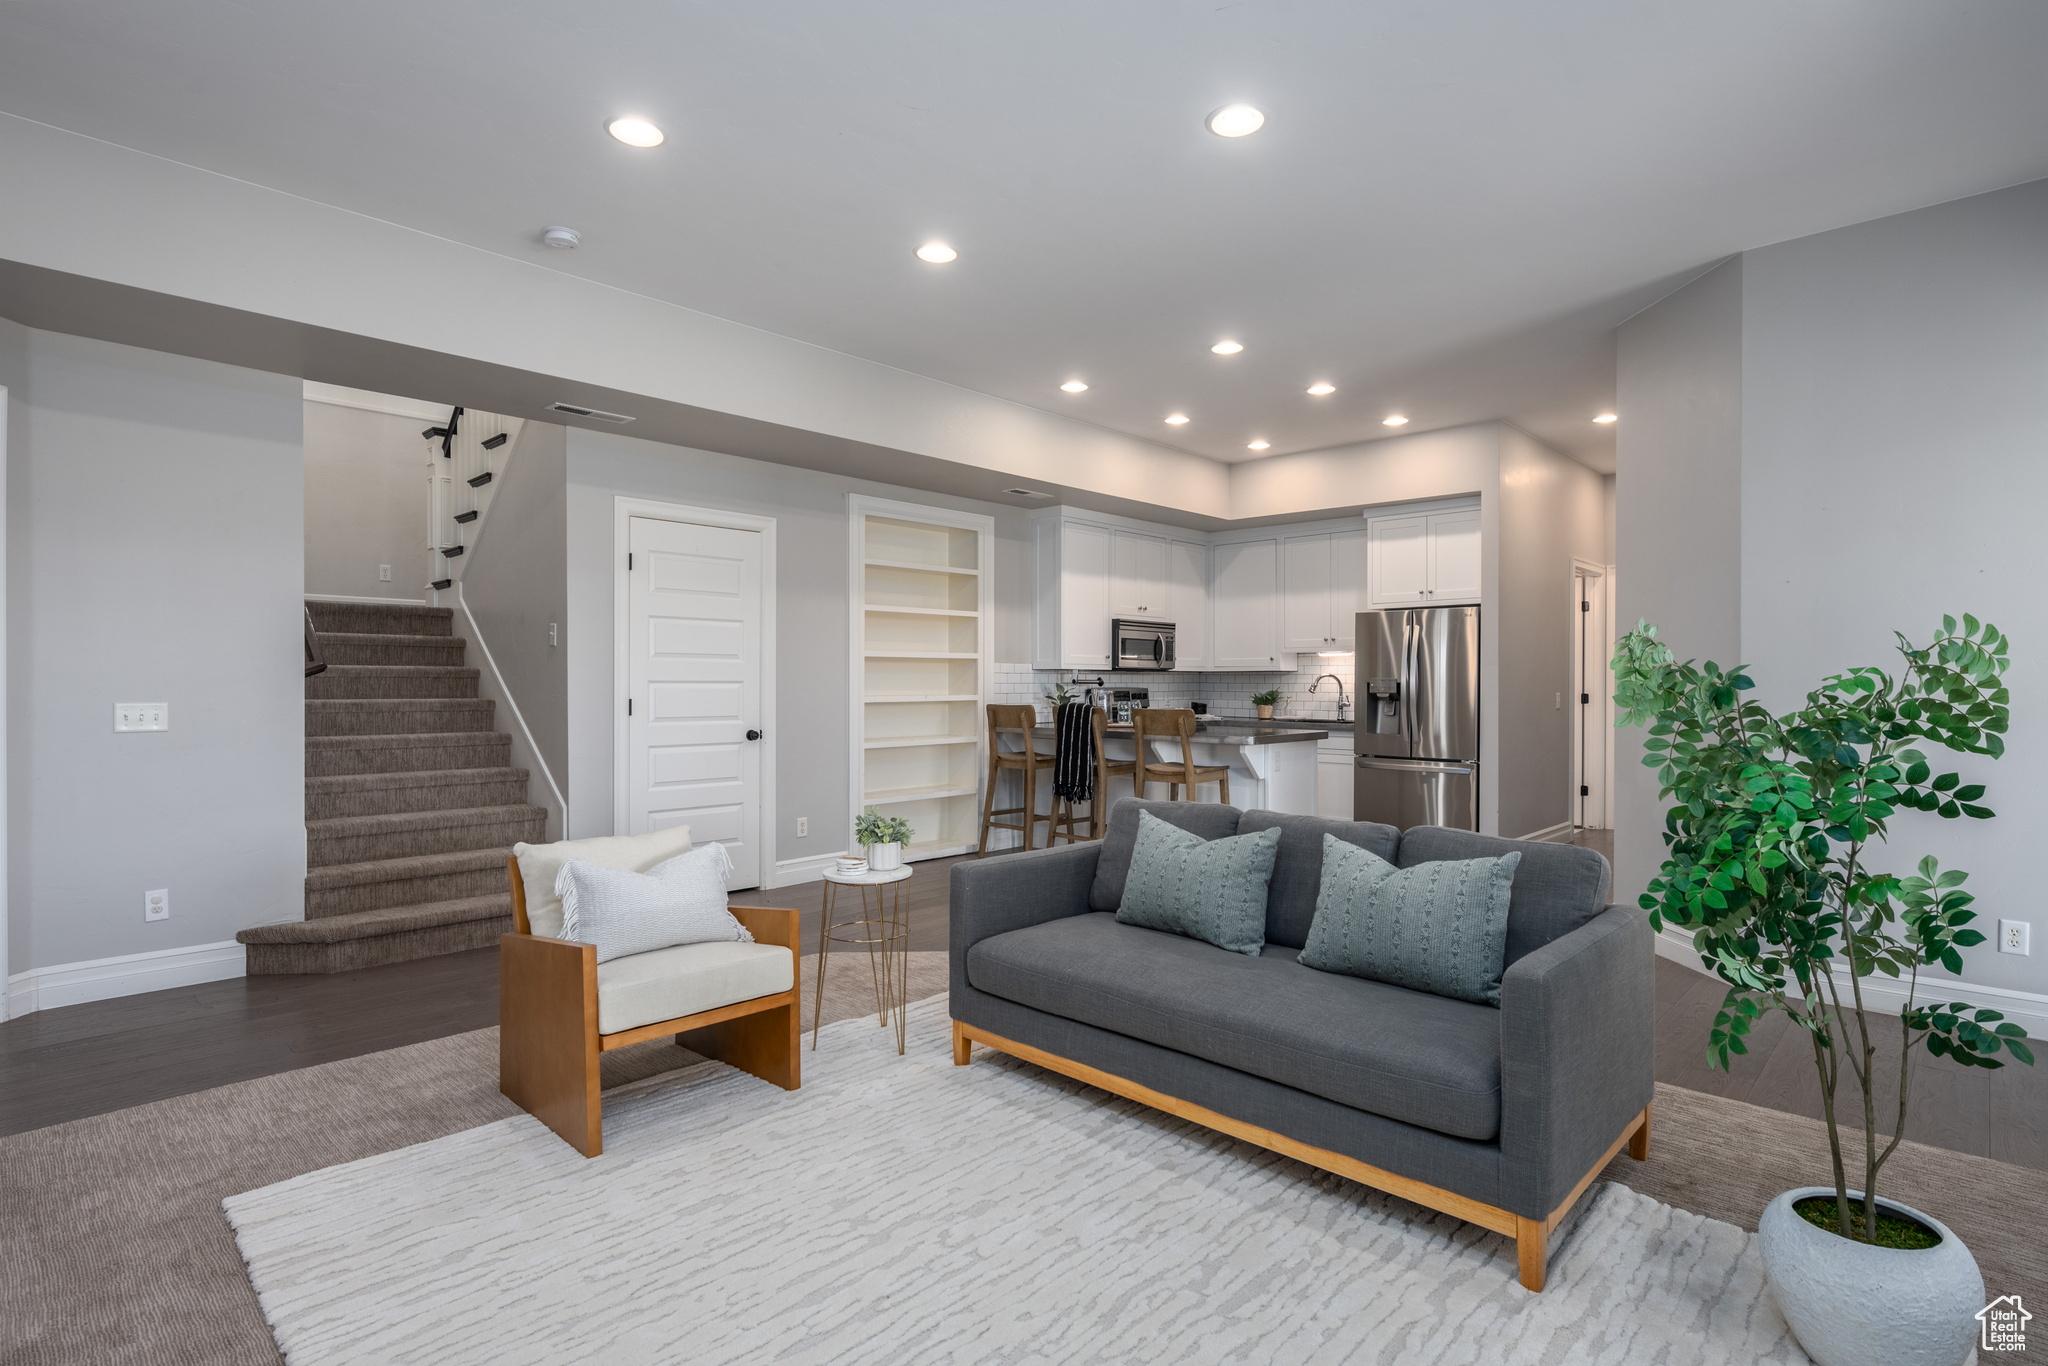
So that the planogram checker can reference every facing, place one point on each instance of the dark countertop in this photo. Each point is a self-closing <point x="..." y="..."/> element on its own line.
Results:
<point x="1225" y="731"/>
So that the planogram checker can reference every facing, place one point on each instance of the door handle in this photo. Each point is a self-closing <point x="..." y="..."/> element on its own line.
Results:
<point x="753" y="735"/>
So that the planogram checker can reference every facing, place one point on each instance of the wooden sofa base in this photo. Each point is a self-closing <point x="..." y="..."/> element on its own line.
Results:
<point x="1532" y="1236"/>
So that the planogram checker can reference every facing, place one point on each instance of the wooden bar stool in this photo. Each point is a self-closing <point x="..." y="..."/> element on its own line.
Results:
<point x="1105" y="769"/>
<point x="1174" y="724"/>
<point x="1020" y="721"/>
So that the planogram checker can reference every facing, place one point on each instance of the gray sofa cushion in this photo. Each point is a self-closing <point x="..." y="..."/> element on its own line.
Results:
<point x="1558" y="887"/>
<point x="1211" y="890"/>
<point x="1210" y="820"/>
<point x="1298" y="871"/>
<point x="1439" y="927"/>
<point x="1420" y="1059"/>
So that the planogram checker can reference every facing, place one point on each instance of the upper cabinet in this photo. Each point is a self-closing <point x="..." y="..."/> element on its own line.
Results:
<point x="1187" y="602"/>
<point x="1323" y="589"/>
<point x="1247" y="606"/>
<point x="1138" y="584"/>
<point x="1423" y="559"/>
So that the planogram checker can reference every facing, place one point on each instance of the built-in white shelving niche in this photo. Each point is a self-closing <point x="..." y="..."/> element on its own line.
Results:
<point x="922" y="605"/>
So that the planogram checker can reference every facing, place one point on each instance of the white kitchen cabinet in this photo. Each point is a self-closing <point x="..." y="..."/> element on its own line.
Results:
<point x="1187" y="602"/>
<point x="1138" y="584"/>
<point x="1247" y="597"/>
<point x="1423" y="559"/>
<point x="1334" y="766"/>
<point x="1323" y="584"/>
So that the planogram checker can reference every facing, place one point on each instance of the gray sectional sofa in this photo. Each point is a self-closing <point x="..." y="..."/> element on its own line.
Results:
<point x="1500" y="1116"/>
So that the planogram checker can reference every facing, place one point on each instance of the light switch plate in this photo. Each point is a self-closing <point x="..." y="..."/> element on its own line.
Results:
<point x="156" y="905"/>
<point x="142" y="716"/>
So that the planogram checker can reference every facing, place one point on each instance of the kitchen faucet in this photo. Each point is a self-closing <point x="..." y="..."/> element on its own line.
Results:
<point x="1341" y="703"/>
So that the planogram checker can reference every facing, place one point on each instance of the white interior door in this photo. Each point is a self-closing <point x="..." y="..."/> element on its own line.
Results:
<point x="1593" y="680"/>
<point x="694" y="686"/>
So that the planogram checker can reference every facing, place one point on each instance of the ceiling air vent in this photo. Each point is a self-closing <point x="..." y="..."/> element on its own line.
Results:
<point x="578" y="410"/>
<point x="1028" y="493"/>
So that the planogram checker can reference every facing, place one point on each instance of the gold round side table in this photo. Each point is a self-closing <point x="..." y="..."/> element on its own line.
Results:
<point x="884" y="929"/>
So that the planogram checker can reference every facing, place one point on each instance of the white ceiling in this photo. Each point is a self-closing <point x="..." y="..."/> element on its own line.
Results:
<point x="1450" y="207"/>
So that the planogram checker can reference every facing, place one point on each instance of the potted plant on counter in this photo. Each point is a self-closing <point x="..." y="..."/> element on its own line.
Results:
<point x="1265" y="702"/>
<point x="1775" y="844"/>
<point x="885" y="837"/>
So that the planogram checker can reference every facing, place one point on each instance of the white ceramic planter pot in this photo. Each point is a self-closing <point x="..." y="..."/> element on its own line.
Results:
<point x="887" y="858"/>
<point x="1852" y="1304"/>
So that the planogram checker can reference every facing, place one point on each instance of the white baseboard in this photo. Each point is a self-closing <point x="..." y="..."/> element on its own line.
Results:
<point x="374" y="602"/>
<point x="2027" y="1009"/>
<point x="100" y="979"/>
<point x="792" y="872"/>
<point x="1554" y="834"/>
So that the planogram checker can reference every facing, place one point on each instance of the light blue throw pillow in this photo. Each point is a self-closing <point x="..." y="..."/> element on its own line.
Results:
<point x="1211" y="890"/>
<point x="1439" y="927"/>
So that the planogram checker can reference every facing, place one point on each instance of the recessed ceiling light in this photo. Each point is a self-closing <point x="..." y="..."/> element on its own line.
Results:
<point x="938" y="253"/>
<point x="1236" y="121"/>
<point x="1227" y="348"/>
<point x="1605" y="417"/>
<point x="1395" y="421"/>
<point x="1259" y="445"/>
<point x="568" y="239"/>
<point x="635" y="131"/>
<point x="1176" y="419"/>
<point x="1075" y="386"/>
<point x="1322" y="387"/>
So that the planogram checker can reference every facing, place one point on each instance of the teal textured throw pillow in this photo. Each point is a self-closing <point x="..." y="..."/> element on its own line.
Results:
<point x="1437" y="927"/>
<point x="1211" y="890"/>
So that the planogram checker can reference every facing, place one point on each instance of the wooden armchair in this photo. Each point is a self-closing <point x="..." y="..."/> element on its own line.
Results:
<point x="549" y="1013"/>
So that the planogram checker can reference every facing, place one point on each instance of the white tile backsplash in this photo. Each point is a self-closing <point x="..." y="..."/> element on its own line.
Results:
<point x="1227" y="694"/>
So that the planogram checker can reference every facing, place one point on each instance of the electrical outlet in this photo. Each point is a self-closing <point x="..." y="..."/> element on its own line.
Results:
<point x="156" y="905"/>
<point x="384" y="573"/>
<point x="142" y="716"/>
<point x="803" y="827"/>
<point x="2015" y="936"/>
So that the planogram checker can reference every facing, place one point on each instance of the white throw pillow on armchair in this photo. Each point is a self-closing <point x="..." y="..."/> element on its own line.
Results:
<point x="681" y="901"/>
<point x="541" y="864"/>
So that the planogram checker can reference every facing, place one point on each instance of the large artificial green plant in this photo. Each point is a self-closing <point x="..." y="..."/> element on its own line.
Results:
<point x="1771" y="836"/>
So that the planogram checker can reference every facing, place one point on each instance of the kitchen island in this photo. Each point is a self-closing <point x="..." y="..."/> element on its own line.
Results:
<point x="1272" y="767"/>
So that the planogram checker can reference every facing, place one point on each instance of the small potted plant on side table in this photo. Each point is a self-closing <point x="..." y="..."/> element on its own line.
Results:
<point x="885" y="837"/>
<point x="1265" y="702"/>
<point x="1775" y="839"/>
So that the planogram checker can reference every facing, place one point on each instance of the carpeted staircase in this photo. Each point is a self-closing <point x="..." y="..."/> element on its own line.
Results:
<point x="411" y="806"/>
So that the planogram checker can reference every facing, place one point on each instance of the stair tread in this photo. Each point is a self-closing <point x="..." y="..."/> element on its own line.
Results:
<point x="419" y="820"/>
<point x="405" y="867"/>
<point x="329" y="929"/>
<point x="404" y="703"/>
<point x="386" y="638"/>
<point x="425" y="739"/>
<point x="424" y="777"/>
<point x="406" y="670"/>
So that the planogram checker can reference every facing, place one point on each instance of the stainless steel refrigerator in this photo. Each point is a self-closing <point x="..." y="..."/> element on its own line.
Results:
<point x="1417" y="736"/>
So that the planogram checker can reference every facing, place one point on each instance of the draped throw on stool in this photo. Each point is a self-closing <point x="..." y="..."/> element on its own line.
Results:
<point x="1073" y="761"/>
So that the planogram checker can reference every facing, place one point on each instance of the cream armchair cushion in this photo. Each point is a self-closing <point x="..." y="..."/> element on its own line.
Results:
<point x="540" y="863"/>
<point x="667" y="984"/>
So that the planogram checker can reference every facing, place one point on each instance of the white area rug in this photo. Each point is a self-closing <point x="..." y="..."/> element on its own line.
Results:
<point x="906" y="1210"/>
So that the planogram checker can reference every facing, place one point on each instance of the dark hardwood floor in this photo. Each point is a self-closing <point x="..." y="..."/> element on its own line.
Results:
<point x="67" y="1063"/>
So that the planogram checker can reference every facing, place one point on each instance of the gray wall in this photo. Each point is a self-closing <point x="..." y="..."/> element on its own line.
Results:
<point x="1895" y="467"/>
<point x="153" y="555"/>
<point x="1678" y="527"/>
<point x="811" y="643"/>
<point x="515" y="584"/>
<point x="1551" y="510"/>
<point x="366" y="503"/>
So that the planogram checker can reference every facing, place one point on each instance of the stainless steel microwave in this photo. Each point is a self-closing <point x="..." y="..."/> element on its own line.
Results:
<point x="1141" y="644"/>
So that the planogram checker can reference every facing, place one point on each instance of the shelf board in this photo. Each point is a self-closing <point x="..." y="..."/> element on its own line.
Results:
<point x="927" y="568"/>
<point x="920" y="611"/>
<point x="921" y="697"/>
<point x="915" y="741"/>
<point x="891" y="796"/>
<point x="916" y="654"/>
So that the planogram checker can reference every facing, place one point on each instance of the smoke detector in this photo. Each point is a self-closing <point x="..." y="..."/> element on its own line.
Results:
<point x="568" y="239"/>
